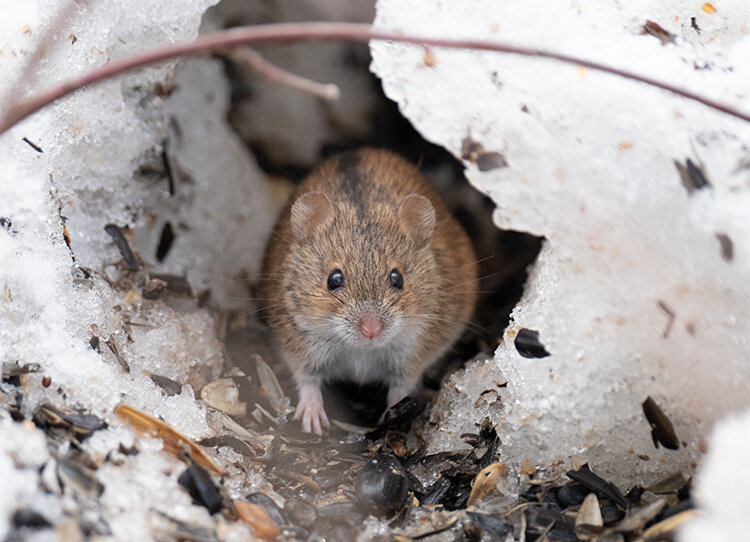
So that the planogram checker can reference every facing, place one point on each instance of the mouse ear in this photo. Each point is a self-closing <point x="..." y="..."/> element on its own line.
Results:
<point x="310" y="212"/>
<point x="417" y="216"/>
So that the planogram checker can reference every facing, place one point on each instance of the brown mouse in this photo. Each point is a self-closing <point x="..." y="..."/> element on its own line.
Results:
<point x="368" y="278"/>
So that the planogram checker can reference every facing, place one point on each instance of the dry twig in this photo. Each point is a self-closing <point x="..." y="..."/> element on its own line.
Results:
<point x="255" y="60"/>
<point x="294" y="32"/>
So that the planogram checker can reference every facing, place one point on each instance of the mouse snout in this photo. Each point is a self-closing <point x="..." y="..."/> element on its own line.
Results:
<point x="370" y="326"/>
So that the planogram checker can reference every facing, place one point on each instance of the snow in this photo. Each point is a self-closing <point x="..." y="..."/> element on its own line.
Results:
<point x="98" y="145"/>
<point x="591" y="168"/>
<point x="722" y="488"/>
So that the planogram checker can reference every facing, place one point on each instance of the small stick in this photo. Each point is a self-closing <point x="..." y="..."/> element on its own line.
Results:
<point x="670" y="314"/>
<point x="293" y="32"/>
<point x="329" y="92"/>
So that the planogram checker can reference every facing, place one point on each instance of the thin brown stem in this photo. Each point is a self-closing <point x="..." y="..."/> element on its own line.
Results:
<point x="255" y="60"/>
<point x="294" y="32"/>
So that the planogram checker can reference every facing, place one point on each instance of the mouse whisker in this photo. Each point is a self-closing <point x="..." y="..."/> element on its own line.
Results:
<point x="476" y="328"/>
<point x="475" y="262"/>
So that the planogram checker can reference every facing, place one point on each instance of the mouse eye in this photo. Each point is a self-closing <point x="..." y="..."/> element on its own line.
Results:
<point x="397" y="279"/>
<point x="335" y="280"/>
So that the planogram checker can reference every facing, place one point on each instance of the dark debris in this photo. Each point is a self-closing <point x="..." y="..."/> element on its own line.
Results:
<point x="600" y="486"/>
<point x="117" y="235"/>
<point x="528" y="344"/>
<point x="662" y="430"/>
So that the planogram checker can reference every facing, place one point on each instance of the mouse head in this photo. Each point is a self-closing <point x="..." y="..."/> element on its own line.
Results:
<point x="361" y="277"/>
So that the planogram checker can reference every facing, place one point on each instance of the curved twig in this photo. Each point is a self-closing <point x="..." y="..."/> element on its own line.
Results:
<point x="253" y="59"/>
<point x="293" y="32"/>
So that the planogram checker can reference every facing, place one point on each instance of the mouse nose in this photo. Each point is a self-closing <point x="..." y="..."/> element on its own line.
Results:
<point x="370" y="326"/>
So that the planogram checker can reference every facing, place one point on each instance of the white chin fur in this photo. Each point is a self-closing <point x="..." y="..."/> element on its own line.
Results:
<point x="340" y="351"/>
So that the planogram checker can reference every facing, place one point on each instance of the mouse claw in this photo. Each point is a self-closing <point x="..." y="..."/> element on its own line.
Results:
<point x="310" y="410"/>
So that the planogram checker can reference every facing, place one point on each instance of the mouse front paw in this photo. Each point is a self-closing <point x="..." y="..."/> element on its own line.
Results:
<point x="310" y="410"/>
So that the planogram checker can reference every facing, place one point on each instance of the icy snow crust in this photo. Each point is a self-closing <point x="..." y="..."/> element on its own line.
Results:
<point x="722" y="488"/>
<point x="591" y="168"/>
<point x="97" y="145"/>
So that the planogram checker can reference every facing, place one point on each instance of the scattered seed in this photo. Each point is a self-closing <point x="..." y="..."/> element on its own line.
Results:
<point x="669" y="484"/>
<point x="165" y="159"/>
<point x="148" y="426"/>
<point x="382" y="485"/>
<point x="46" y="381"/>
<point x="165" y="241"/>
<point x="48" y="415"/>
<point x="201" y="487"/>
<point x="571" y="494"/>
<point x="437" y="492"/>
<point x="598" y="485"/>
<point x="223" y="395"/>
<point x="653" y="29"/>
<point x="637" y="518"/>
<point x="400" y="416"/>
<point x="229" y="441"/>
<point x="528" y="344"/>
<point x="26" y="517"/>
<point x="273" y="510"/>
<point x="270" y="388"/>
<point x="611" y="513"/>
<point x="116" y="233"/>
<point x="486" y="482"/>
<point x="727" y="247"/>
<point x="79" y="478"/>
<point x="589" y="519"/>
<point x="662" y="430"/>
<point x="171" y="387"/>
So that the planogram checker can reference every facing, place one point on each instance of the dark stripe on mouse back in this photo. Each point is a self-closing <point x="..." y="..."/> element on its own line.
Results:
<point x="352" y="184"/>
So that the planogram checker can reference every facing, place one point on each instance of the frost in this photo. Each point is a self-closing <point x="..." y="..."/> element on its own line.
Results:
<point x="106" y="152"/>
<point x="634" y="293"/>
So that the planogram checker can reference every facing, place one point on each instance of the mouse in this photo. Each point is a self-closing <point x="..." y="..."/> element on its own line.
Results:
<point x="367" y="278"/>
